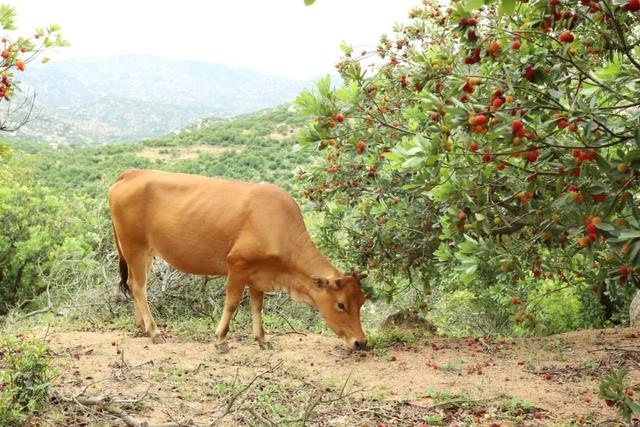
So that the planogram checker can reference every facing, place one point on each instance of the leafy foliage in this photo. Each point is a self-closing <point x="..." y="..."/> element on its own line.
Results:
<point x="488" y="147"/>
<point x="24" y="379"/>
<point x="38" y="227"/>
<point x="619" y="396"/>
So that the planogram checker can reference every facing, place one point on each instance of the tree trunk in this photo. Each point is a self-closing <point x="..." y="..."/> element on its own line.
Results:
<point x="634" y="311"/>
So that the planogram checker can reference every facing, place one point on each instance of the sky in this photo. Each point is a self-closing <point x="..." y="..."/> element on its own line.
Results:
<point x="282" y="37"/>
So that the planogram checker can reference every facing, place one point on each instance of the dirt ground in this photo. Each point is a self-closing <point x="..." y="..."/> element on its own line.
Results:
<point x="311" y="379"/>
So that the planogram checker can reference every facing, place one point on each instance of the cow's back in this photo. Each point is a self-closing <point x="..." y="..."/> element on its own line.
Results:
<point x="194" y="222"/>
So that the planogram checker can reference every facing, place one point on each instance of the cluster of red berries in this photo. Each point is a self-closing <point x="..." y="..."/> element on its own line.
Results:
<point x="583" y="156"/>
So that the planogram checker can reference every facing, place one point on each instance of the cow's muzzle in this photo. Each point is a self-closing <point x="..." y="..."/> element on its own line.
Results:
<point x="360" y="345"/>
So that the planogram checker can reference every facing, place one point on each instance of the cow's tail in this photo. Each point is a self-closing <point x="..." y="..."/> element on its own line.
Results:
<point x="124" y="268"/>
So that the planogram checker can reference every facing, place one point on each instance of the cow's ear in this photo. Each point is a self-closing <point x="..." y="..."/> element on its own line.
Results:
<point x="320" y="282"/>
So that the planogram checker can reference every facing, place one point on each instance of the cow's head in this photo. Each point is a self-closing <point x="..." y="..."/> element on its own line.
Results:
<point x="338" y="301"/>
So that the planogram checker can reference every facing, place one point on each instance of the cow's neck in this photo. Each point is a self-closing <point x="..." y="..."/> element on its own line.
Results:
<point x="305" y="264"/>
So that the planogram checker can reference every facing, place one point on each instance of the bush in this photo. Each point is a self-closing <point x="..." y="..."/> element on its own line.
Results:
<point x="24" y="379"/>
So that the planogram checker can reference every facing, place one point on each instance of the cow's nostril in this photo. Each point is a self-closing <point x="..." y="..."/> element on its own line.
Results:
<point x="361" y="345"/>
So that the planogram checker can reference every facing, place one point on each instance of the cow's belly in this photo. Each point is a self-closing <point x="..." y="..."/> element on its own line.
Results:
<point x="193" y="256"/>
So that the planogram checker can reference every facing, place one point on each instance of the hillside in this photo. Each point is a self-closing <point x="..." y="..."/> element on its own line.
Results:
<point x="254" y="147"/>
<point x="127" y="98"/>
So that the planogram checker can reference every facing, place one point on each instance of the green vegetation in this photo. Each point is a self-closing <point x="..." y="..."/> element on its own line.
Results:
<point x="617" y="394"/>
<point x="24" y="379"/>
<point x="494" y="151"/>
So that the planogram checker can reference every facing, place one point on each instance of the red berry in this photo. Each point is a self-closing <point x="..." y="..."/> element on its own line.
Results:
<point x="339" y="118"/>
<point x="629" y="392"/>
<point x="591" y="229"/>
<point x="624" y="270"/>
<point x="516" y="125"/>
<point x="537" y="415"/>
<point x="533" y="155"/>
<point x="529" y="74"/>
<point x="471" y="22"/>
<point x="481" y="119"/>
<point x="566" y="37"/>
<point x="497" y="103"/>
<point x="486" y="157"/>
<point x="474" y="147"/>
<point x="501" y="167"/>
<point x="361" y="146"/>
<point x="468" y="88"/>
<point x="516" y="45"/>
<point x="493" y="48"/>
<point x="633" y="5"/>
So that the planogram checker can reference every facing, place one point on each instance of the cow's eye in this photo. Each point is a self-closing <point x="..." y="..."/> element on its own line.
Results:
<point x="340" y="306"/>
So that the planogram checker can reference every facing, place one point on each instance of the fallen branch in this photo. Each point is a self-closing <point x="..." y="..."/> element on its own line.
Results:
<point x="458" y="402"/>
<point x="264" y="420"/>
<point x="630" y="349"/>
<point x="107" y="404"/>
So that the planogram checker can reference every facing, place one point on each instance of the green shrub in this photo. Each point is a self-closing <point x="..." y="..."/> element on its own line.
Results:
<point x="24" y="379"/>
<point x="386" y="338"/>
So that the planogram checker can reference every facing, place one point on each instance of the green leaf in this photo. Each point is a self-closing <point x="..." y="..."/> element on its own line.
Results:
<point x="629" y="234"/>
<point x="7" y="15"/>
<point x="635" y="252"/>
<point x="309" y="2"/>
<point x="470" y="5"/>
<point x="507" y="7"/>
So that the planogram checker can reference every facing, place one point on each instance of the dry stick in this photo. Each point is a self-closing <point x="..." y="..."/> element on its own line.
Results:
<point x="264" y="420"/>
<point x="630" y="349"/>
<point x="459" y="402"/>
<point x="231" y="401"/>
<point x="119" y="413"/>
<point x="46" y="309"/>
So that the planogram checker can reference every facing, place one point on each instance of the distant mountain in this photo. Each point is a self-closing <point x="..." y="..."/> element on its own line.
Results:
<point x="131" y="97"/>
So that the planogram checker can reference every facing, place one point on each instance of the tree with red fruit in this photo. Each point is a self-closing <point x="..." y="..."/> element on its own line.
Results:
<point x="16" y="53"/>
<point x="527" y="141"/>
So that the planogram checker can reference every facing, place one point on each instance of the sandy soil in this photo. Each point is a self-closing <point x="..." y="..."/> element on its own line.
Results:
<point x="559" y="375"/>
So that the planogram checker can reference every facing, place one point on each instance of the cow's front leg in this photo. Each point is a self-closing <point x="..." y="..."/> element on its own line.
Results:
<point x="235" y="287"/>
<point x="257" y="297"/>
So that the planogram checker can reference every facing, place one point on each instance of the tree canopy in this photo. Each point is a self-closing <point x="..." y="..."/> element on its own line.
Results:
<point x="489" y="146"/>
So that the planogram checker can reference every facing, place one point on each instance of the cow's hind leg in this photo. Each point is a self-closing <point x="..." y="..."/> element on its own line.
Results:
<point x="257" y="297"/>
<point x="138" y="270"/>
<point x="137" y="309"/>
<point x="235" y="287"/>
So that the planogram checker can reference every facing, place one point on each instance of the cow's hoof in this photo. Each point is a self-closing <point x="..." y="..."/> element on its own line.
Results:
<point x="223" y="347"/>
<point x="158" y="339"/>
<point x="266" y="345"/>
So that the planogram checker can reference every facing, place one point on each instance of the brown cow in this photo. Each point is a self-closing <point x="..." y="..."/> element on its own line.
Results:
<point x="252" y="233"/>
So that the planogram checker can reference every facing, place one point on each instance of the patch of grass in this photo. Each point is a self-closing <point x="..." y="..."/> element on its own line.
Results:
<point x="452" y="365"/>
<point x="199" y="329"/>
<point x="434" y="420"/>
<point x="387" y="338"/>
<point x="442" y="396"/>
